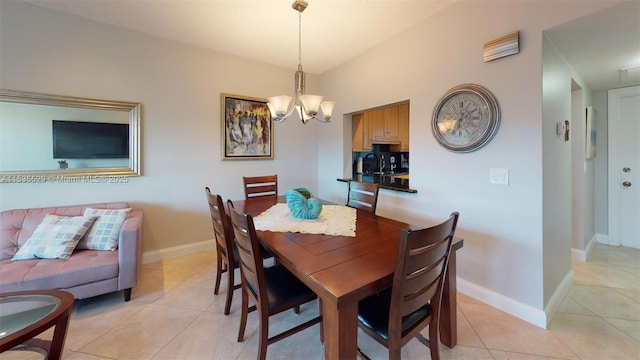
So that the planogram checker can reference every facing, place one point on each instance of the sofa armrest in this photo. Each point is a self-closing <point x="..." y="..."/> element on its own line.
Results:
<point x="130" y="250"/>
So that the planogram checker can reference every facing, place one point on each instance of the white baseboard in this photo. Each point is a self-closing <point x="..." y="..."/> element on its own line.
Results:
<point x="602" y="238"/>
<point x="525" y="312"/>
<point x="579" y="255"/>
<point x="522" y="311"/>
<point x="582" y="255"/>
<point x="558" y="296"/>
<point x="182" y="250"/>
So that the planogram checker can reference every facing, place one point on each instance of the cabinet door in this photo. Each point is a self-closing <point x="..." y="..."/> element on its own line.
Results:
<point x="403" y="126"/>
<point x="376" y="124"/>
<point x="359" y="133"/>
<point x="366" y="140"/>
<point x="391" y="126"/>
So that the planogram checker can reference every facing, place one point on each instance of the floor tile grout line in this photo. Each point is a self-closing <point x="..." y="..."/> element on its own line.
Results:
<point x="176" y="335"/>
<point x="567" y="345"/>
<point x="473" y="328"/>
<point x="623" y="331"/>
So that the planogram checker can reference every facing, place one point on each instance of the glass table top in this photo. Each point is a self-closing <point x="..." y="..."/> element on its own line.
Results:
<point x="20" y="311"/>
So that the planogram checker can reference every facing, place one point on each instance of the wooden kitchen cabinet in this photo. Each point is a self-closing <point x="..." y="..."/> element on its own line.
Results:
<point x="376" y="124"/>
<point x="383" y="125"/>
<point x="403" y="127"/>
<point x="360" y="133"/>
<point x="391" y="125"/>
<point x="388" y="125"/>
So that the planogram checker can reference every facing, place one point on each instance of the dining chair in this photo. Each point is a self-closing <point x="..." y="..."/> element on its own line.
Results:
<point x="226" y="249"/>
<point x="398" y="314"/>
<point x="272" y="290"/>
<point x="257" y="186"/>
<point x="362" y="195"/>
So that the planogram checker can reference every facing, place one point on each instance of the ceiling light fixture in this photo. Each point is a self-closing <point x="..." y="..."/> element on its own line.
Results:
<point x="308" y="106"/>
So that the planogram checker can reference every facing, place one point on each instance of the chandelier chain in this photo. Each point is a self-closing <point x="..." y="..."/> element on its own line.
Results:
<point x="300" y="38"/>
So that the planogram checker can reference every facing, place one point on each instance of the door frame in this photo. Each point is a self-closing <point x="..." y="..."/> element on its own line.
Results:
<point x="613" y="130"/>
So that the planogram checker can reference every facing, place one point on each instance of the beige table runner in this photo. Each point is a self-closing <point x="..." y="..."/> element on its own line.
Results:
<point x="333" y="220"/>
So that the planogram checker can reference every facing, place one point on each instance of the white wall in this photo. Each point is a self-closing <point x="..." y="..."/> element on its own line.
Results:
<point x="583" y="174"/>
<point x="511" y="258"/>
<point x="507" y="256"/>
<point x="179" y="87"/>
<point x="600" y="103"/>
<point x="557" y="198"/>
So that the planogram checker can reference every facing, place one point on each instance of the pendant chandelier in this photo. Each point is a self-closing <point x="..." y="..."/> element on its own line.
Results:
<point x="307" y="106"/>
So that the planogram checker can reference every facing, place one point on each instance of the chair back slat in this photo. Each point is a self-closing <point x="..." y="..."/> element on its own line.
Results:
<point x="257" y="186"/>
<point x="362" y="195"/>
<point x="425" y="266"/>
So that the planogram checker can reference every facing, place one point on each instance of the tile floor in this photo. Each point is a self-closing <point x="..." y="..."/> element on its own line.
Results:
<point x="173" y="314"/>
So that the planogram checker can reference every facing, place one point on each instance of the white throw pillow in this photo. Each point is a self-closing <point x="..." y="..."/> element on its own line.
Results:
<point x="55" y="237"/>
<point x="104" y="233"/>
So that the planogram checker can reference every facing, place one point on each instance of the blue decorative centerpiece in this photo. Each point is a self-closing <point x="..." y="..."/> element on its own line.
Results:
<point x="302" y="204"/>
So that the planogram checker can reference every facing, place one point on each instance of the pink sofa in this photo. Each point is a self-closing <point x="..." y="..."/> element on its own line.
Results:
<point x="86" y="273"/>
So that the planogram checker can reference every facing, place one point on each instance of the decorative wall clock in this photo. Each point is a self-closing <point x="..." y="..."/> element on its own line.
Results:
<point x="466" y="118"/>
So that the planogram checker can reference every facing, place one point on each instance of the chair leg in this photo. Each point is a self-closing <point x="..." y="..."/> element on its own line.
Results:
<point x="264" y="336"/>
<point x="243" y="316"/>
<point x="321" y="322"/>
<point x="296" y="309"/>
<point x="394" y="354"/>
<point x="434" y="340"/>
<point x="218" y="273"/>
<point x="230" y="288"/>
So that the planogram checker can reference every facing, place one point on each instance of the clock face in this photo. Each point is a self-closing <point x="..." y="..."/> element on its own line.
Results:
<point x="465" y="118"/>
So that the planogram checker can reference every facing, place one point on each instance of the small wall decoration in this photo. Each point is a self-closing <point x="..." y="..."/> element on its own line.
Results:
<point x="502" y="46"/>
<point x="246" y="128"/>
<point x="590" y="139"/>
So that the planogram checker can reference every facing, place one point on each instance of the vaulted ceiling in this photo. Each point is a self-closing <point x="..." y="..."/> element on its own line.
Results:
<point x="334" y="31"/>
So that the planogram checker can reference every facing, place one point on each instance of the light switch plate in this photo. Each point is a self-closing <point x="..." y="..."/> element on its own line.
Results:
<point x="499" y="176"/>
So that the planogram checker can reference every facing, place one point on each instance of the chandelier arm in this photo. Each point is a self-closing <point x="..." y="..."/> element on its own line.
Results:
<point x="290" y="109"/>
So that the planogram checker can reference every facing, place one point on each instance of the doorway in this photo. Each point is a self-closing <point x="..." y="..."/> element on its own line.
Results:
<point x="624" y="166"/>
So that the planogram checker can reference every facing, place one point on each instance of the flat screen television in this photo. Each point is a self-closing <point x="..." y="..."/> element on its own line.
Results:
<point x="90" y="140"/>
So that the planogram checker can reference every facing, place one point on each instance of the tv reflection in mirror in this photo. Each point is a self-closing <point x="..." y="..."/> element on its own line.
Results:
<point x="90" y="140"/>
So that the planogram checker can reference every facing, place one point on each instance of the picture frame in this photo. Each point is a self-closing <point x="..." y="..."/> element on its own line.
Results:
<point x="590" y="133"/>
<point x="246" y="128"/>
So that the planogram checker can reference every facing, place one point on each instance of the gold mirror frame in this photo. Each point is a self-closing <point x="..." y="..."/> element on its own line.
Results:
<point x="35" y="176"/>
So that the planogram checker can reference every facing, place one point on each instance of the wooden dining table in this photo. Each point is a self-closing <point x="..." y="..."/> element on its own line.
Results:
<point x="343" y="270"/>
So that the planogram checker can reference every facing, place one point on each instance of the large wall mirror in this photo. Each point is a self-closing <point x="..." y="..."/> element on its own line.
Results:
<point x="45" y="135"/>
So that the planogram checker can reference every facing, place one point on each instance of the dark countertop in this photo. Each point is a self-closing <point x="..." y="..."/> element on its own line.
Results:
<point x="387" y="181"/>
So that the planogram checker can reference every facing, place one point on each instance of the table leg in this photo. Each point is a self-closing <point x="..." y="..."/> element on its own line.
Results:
<point x="340" y="325"/>
<point x="448" y="310"/>
<point x="59" y="335"/>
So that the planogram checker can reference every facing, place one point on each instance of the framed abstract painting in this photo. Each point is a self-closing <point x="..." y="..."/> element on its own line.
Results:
<point x="246" y="128"/>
